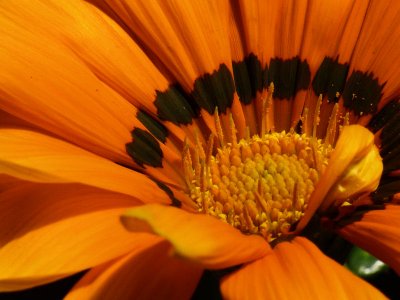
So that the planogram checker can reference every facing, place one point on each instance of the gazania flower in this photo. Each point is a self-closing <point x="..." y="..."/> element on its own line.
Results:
<point x="150" y="141"/>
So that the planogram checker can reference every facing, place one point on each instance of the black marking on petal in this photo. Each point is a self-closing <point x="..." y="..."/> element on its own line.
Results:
<point x="155" y="127"/>
<point x="144" y="149"/>
<point x="208" y="286"/>
<point x="388" y="119"/>
<point x="250" y="78"/>
<point x="289" y="76"/>
<point x="175" y="105"/>
<point x="330" y="78"/>
<point x="388" y="187"/>
<point x="390" y="135"/>
<point x="167" y="190"/>
<point x="358" y="213"/>
<point x="390" y="151"/>
<point x="216" y="89"/>
<point x="298" y="128"/>
<point x="242" y="82"/>
<point x="385" y="115"/>
<point x="362" y="93"/>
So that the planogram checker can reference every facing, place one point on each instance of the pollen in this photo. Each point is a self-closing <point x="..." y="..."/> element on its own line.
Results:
<point x="259" y="184"/>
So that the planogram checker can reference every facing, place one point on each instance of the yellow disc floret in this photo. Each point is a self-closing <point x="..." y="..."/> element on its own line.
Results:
<point x="265" y="183"/>
<point x="261" y="184"/>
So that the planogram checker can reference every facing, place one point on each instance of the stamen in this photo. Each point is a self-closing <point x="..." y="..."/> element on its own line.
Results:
<point x="331" y="130"/>
<point x="197" y="165"/>
<point x="187" y="165"/>
<point x="266" y="105"/>
<point x="210" y="146"/>
<point x="304" y="120"/>
<point x="218" y="128"/>
<point x="233" y="130"/>
<point x="199" y="145"/>
<point x="316" y="116"/>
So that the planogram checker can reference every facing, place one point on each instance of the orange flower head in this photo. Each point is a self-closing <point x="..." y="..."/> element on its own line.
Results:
<point x="153" y="145"/>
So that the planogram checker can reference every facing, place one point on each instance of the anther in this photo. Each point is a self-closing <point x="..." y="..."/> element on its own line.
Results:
<point x="233" y="130"/>
<point x="304" y="120"/>
<point x="218" y="128"/>
<point x="316" y="115"/>
<point x="331" y="130"/>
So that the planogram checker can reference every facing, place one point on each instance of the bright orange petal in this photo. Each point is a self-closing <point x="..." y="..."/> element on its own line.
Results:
<point x="354" y="168"/>
<point x="378" y="232"/>
<point x="327" y="22"/>
<point x="101" y="44"/>
<point x="44" y="82"/>
<point x="296" y="270"/>
<point x="50" y="231"/>
<point x="36" y="157"/>
<point x="72" y="64"/>
<point x="149" y="274"/>
<point x="199" y="237"/>
<point x="330" y="31"/>
<point x="378" y="44"/>
<point x="189" y="38"/>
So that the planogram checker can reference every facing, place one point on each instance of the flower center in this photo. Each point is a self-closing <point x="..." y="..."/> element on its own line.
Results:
<point x="260" y="185"/>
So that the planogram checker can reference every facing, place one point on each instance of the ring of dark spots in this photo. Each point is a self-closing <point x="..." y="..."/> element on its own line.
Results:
<point x="167" y="190"/>
<point x="214" y="90"/>
<point x="362" y="93"/>
<point x="156" y="128"/>
<point x="144" y="149"/>
<point x="289" y="76"/>
<point x="330" y="79"/>
<point x="176" y="106"/>
<point x="250" y="78"/>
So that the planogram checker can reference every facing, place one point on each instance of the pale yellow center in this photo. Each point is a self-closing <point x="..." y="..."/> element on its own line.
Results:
<point x="261" y="185"/>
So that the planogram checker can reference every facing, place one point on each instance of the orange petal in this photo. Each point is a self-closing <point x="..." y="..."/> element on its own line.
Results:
<point x="8" y="182"/>
<point x="32" y="156"/>
<point x="327" y="24"/>
<point x="378" y="44"/>
<point x="9" y="121"/>
<point x="44" y="82"/>
<point x="378" y="233"/>
<point x="296" y="270"/>
<point x="100" y="43"/>
<point x="189" y="38"/>
<point x="331" y="31"/>
<point x="258" y="25"/>
<point x="96" y="45"/>
<point x="199" y="237"/>
<point x="50" y="231"/>
<point x="354" y="168"/>
<point x="149" y="274"/>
